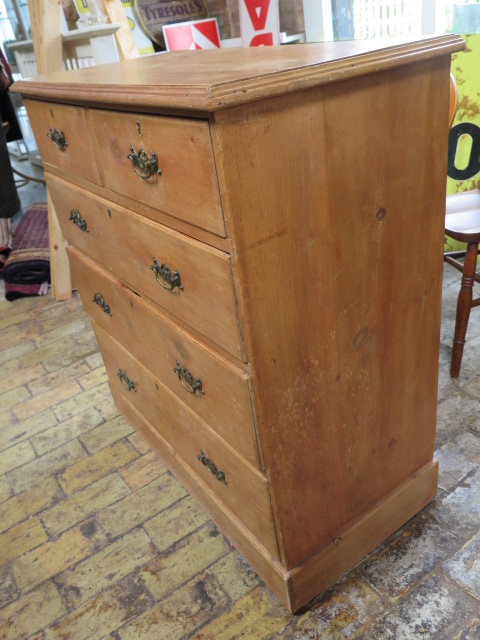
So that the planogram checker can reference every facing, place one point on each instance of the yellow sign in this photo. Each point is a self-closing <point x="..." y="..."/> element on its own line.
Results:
<point x="82" y="6"/>
<point x="465" y="66"/>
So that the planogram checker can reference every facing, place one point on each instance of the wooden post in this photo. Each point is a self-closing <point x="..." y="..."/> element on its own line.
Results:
<point x="127" y="47"/>
<point x="46" y="25"/>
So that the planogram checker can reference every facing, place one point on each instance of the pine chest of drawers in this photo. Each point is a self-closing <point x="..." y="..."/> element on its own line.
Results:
<point x="257" y="236"/>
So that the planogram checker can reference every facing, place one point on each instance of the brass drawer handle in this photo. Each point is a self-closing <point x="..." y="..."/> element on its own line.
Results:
<point x="165" y="277"/>
<point x="77" y="219"/>
<point x="99" y="299"/>
<point x="125" y="380"/>
<point x="212" y="467"/>
<point x="58" y="138"/>
<point x="143" y="165"/>
<point x="188" y="382"/>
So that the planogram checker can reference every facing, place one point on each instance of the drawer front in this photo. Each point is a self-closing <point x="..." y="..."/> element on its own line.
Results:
<point x="77" y="156"/>
<point x="218" y="391"/>
<point x="238" y="486"/>
<point x="129" y="246"/>
<point x="186" y="187"/>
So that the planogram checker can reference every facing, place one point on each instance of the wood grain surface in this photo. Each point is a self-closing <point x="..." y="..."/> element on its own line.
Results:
<point x="126" y="244"/>
<point x="210" y="80"/>
<point x="245" y="489"/>
<point x="159" y="343"/>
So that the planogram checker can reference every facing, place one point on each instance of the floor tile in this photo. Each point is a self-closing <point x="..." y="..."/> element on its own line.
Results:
<point x="105" y="434"/>
<point x="14" y="397"/>
<point x="464" y="567"/>
<point x="234" y="575"/>
<point x="29" y="502"/>
<point x="256" y="615"/>
<point x="175" y="522"/>
<point x="56" y="378"/>
<point x="5" y="489"/>
<point x="141" y="506"/>
<point x="437" y="610"/>
<point x="472" y="633"/>
<point x="12" y="377"/>
<point x="17" y="351"/>
<point x="16" y="456"/>
<point x="31" y="613"/>
<point x="21" y="538"/>
<point x="409" y="557"/>
<point x="59" y="434"/>
<point x="17" y="431"/>
<point x="345" y="611"/>
<point x="462" y="506"/>
<point x="456" y="414"/>
<point x="72" y="509"/>
<point x="84" y="400"/>
<point x="105" y="568"/>
<point x="195" y="604"/>
<point x="46" y="465"/>
<point x="143" y="470"/>
<point x="8" y="588"/>
<point x="48" y="399"/>
<point x="190" y="557"/>
<point x="55" y="556"/>
<point x="93" y="378"/>
<point x="104" y="613"/>
<point x="98" y="465"/>
<point x="457" y="458"/>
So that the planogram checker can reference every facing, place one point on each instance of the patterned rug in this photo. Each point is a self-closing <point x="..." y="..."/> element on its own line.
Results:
<point x="6" y="240"/>
<point x="27" y="269"/>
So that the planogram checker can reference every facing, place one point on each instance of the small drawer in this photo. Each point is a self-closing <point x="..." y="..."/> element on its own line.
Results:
<point x="63" y="138"/>
<point x="218" y="391"/>
<point x="179" y="157"/>
<point x="189" y="279"/>
<point x="238" y="486"/>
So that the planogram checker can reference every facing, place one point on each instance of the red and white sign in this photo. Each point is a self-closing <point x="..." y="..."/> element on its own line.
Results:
<point x="259" y="22"/>
<point x="198" y="34"/>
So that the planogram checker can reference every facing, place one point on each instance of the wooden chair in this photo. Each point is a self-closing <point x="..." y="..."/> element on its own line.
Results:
<point x="462" y="223"/>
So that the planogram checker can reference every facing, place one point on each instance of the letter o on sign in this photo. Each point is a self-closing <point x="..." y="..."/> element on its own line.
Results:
<point x="473" y="166"/>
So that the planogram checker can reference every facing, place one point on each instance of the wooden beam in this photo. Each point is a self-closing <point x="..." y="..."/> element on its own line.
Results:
<point x="127" y="47"/>
<point x="46" y="26"/>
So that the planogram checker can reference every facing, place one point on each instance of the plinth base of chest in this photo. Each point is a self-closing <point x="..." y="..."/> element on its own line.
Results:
<point x="298" y="586"/>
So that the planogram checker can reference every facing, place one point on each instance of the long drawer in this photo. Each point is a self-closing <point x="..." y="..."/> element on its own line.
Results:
<point x="178" y="154"/>
<point x="189" y="279"/>
<point x="236" y="484"/>
<point x="63" y="138"/>
<point x="208" y="384"/>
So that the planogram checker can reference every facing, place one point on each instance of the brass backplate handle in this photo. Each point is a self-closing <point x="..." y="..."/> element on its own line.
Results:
<point x="212" y="467"/>
<point x="165" y="277"/>
<point x="104" y="306"/>
<point x="125" y="380"/>
<point x="58" y="138"/>
<point x="144" y="165"/>
<point x="188" y="382"/>
<point x="77" y="219"/>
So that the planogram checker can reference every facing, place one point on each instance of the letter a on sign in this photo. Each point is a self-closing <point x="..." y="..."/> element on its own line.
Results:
<point x="259" y="22"/>
<point x="258" y="12"/>
<point x="198" y="34"/>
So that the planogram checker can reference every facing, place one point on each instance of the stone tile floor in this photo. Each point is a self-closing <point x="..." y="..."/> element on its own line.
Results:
<point x="98" y="541"/>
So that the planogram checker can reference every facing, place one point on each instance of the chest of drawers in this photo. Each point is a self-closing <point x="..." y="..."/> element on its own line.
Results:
<point x="257" y="236"/>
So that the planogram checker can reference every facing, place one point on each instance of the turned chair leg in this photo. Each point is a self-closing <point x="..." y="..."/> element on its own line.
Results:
<point x="464" y="304"/>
